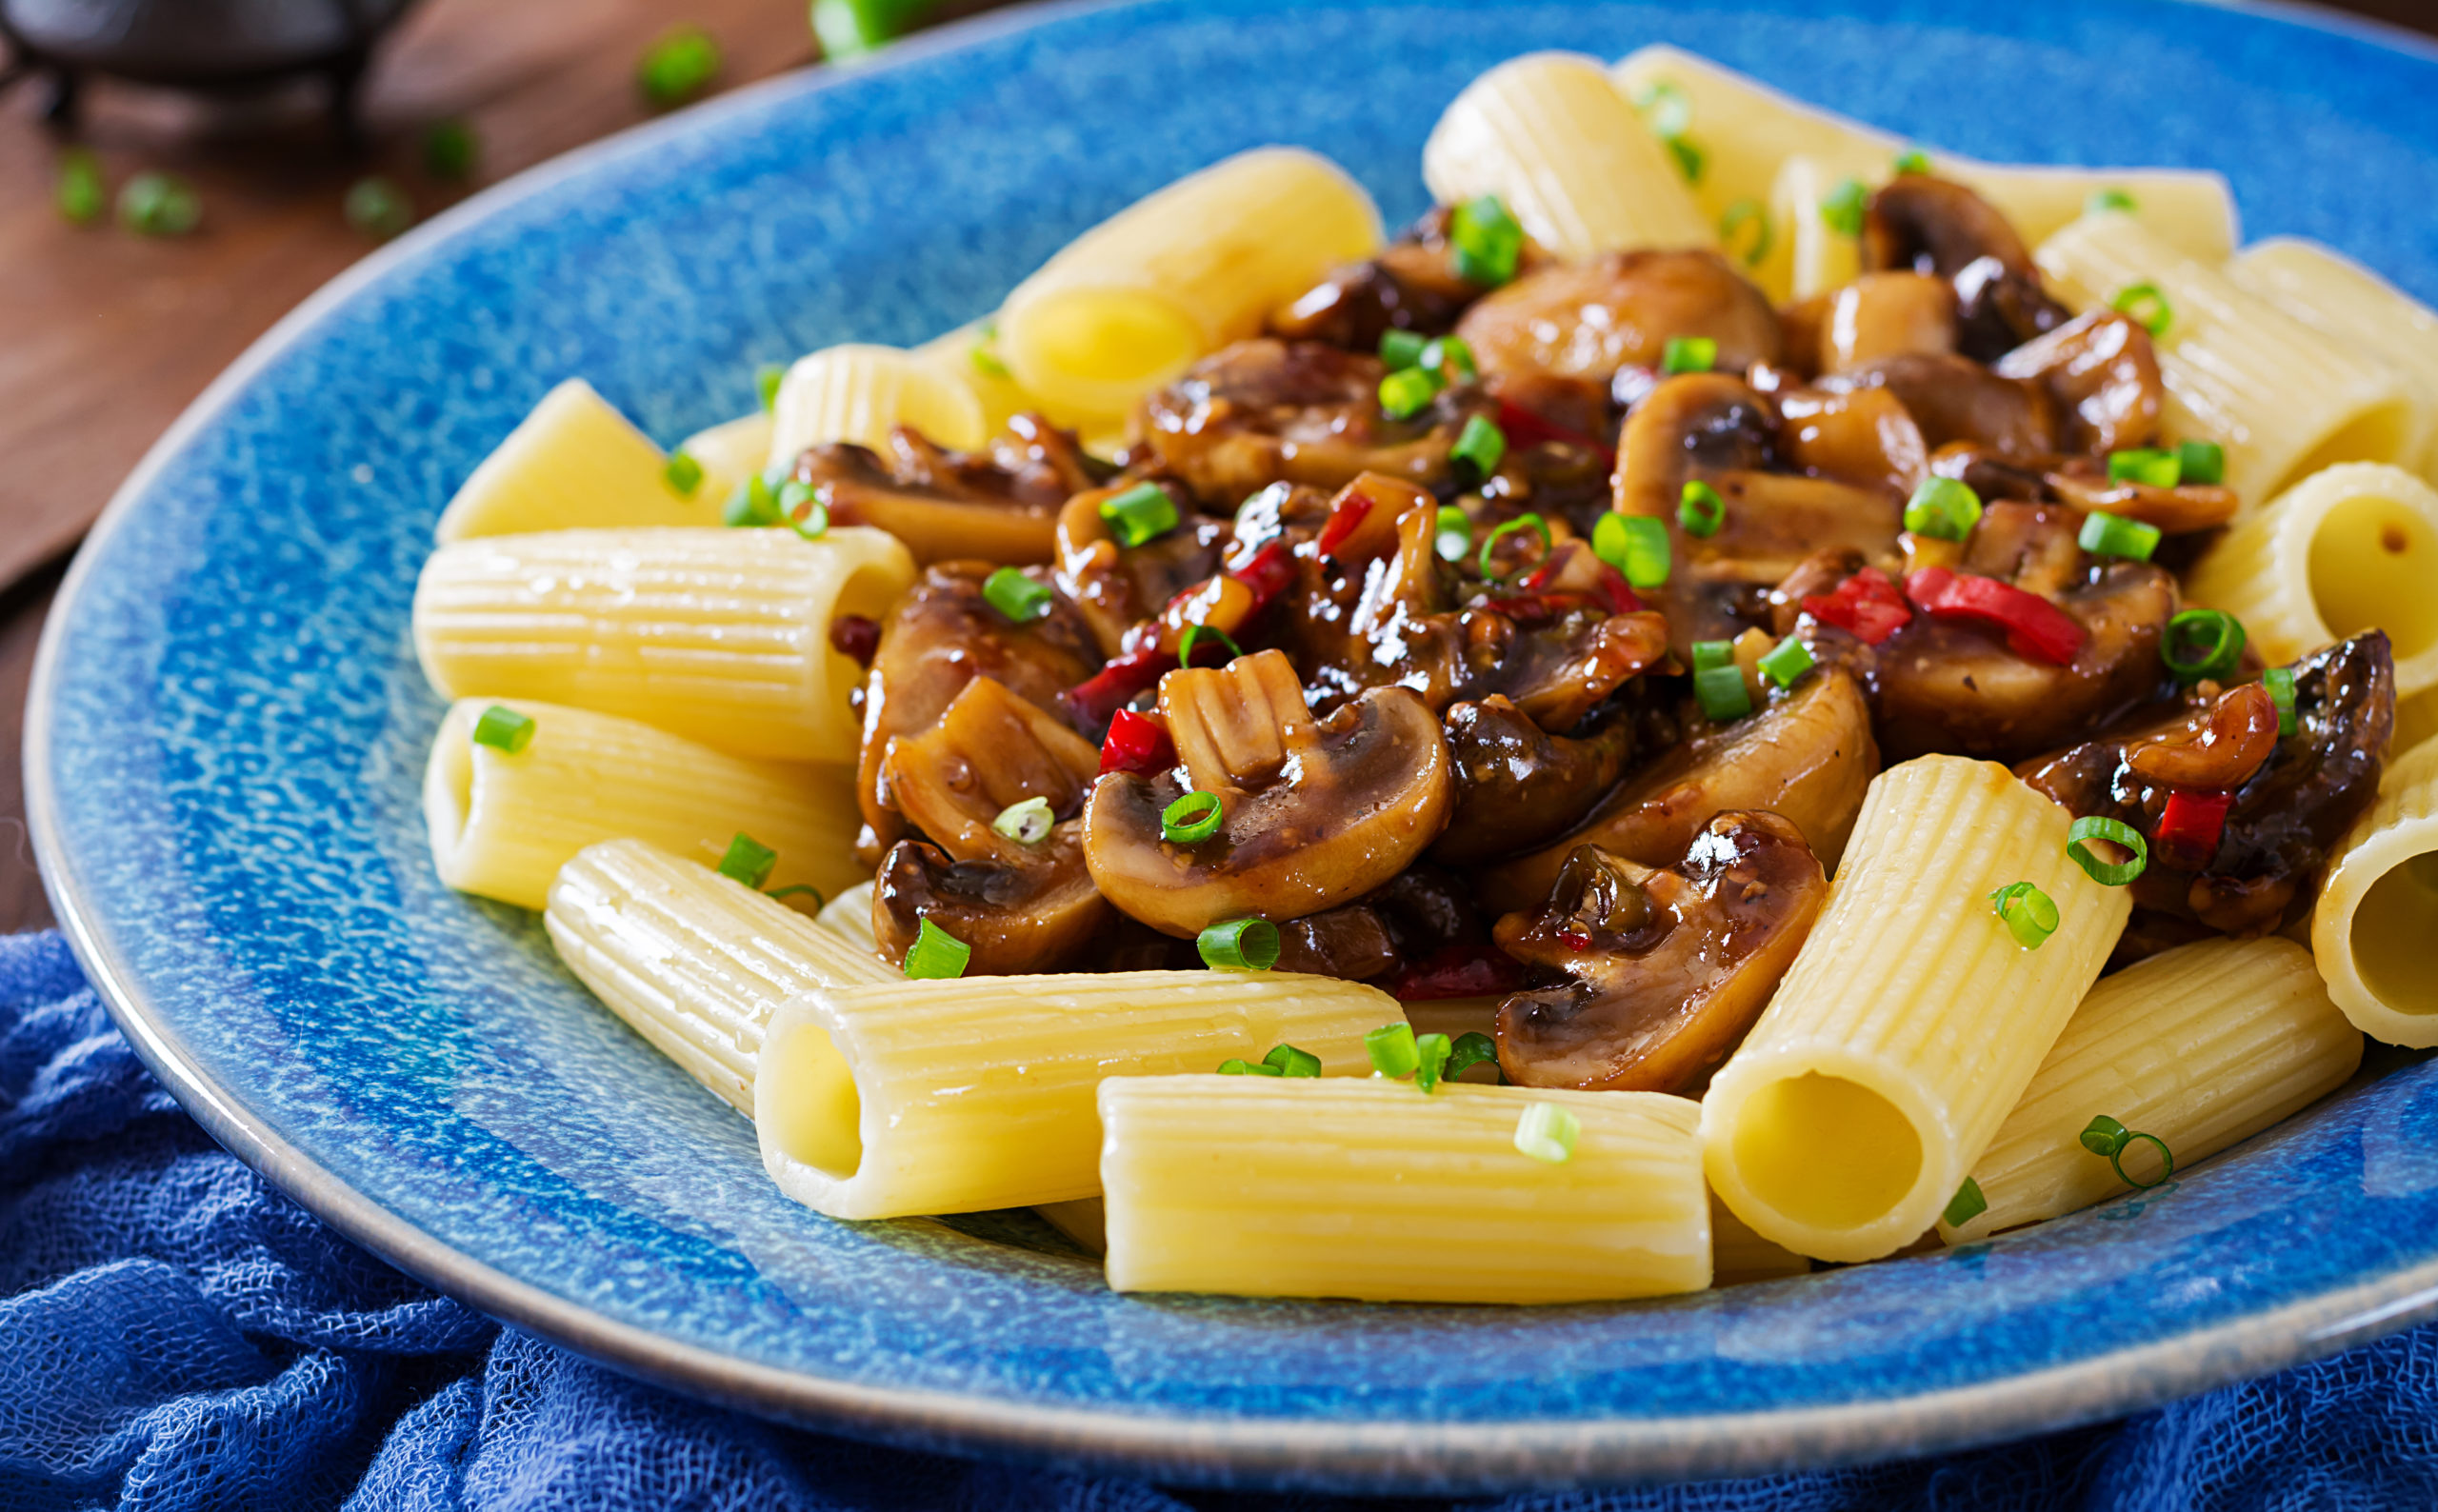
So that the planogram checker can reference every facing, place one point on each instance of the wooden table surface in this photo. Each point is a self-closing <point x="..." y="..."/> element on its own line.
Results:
<point x="105" y="337"/>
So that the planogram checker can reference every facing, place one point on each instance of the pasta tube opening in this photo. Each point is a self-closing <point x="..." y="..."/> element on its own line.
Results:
<point x="1827" y="1152"/>
<point x="2378" y="910"/>
<point x="814" y="1116"/>
<point x="448" y="794"/>
<point x="2372" y="564"/>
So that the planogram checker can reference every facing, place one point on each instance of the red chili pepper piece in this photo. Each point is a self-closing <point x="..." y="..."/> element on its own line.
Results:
<point x="1614" y="594"/>
<point x="1865" y="604"/>
<point x="1136" y="743"/>
<point x="1343" y="520"/>
<point x="2035" y="628"/>
<point x="1092" y="701"/>
<point x="1525" y="427"/>
<point x="2190" y="829"/>
<point x="1457" y="971"/>
<point x="1269" y="573"/>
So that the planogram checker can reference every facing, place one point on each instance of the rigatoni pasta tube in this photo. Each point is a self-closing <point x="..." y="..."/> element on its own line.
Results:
<point x="2378" y="910"/>
<point x="860" y="394"/>
<point x="1178" y="275"/>
<point x="503" y="824"/>
<point x="2349" y="548"/>
<point x="1913" y="1018"/>
<point x="722" y="635"/>
<point x="849" y="914"/>
<point x="1376" y="1190"/>
<point x="1550" y="134"/>
<point x="573" y="462"/>
<point x="2200" y="1046"/>
<point x="957" y="1096"/>
<point x="693" y="961"/>
<point x="2283" y="399"/>
<point x="2331" y="292"/>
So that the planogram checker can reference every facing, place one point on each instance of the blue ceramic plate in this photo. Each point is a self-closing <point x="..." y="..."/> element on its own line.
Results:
<point x="229" y="728"/>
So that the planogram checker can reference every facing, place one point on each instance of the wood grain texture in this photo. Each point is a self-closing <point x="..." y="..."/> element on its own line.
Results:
<point x="105" y="337"/>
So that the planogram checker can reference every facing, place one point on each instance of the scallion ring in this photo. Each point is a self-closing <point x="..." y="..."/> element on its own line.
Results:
<point x="1684" y="355"/>
<point x="1547" y="1132"/>
<point x="1842" y="208"/>
<point x="2030" y="914"/>
<point x="748" y="861"/>
<point x="1028" y="823"/>
<point x="1967" y="1204"/>
<point x="1479" y="446"/>
<point x="1193" y="632"/>
<point x="1699" y="510"/>
<point x="1442" y="353"/>
<point x="1472" y="1048"/>
<point x="1521" y="523"/>
<point x="1409" y="391"/>
<point x="2147" y="305"/>
<point x="2116" y="831"/>
<point x="767" y="378"/>
<point x="1393" y="1052"/>
<point x="1430" y="1060"/>
<point x="1192" y="819"/>
<point x="2201" y="462"/>
<point x="1787" y="662"/>
<point x="503" y="729"/>
<point x="1731" y="225"/>
<point x="1453" y="539"/>
<point x="2147" y="466"/>
<point x="2106" y="1136"/>
<point x="1943" y="508"/>
<point x="683" y="474"/>
<point x="1018" y="597"/>
<point x="2105" y="534"/>
<point x="936" y="954"/>
<point x="1289" y="1061"/>
<point x="2280" y="683"/>
<point x="1239" y="945"/>
<point x="2202" y="644"/>
<point x="1635" y="545"/>
<point x="1401" y="349"/>
<point x="1722" y="693"/>
<point x="1141" y="513"/>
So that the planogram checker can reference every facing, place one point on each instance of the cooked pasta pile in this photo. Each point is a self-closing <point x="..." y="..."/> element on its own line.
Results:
<point x="1741" y="694"/>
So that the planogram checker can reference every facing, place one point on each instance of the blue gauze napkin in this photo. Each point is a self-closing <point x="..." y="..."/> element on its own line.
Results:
<point x="176" y="1334"/>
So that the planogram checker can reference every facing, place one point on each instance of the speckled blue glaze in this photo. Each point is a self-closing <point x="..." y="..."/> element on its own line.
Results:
<point x="229" y="728"/>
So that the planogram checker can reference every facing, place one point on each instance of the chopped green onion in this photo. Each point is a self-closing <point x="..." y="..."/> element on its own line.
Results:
<point x="377" y="207"/>
<point x="1455" y="537"/>
<point x="1912" y="160"/>
<point x="1665" y="108"/>
<point x="1522" y="522"/>
<point x="2108" y="199"/>
<point x="2201" y="462"/>
<point x="1141" y="513"/>
<point x="986" y="361"/>
<point x="80" y="192"/>
<point x="1635" y="545"/>
<point x="800" y="507"/>
<point x="1739" y="215"/>
<point x="792" y="889"/>
<point x="1402" y="349"/>
<point x="1699" y="509"/>
<point x="1685" y="354"/>
<point x="748" y="861"/>
<point x="2105" y="534"/>
<point x="1841" y="211"/>
<point x="1480" y="445"/>
<point x="1721" y="693"/>
<point x="450" y="149"/>
<point x="1967" y="1204"/>
<point x="767" y="378"/>
<point x="1289" y="1061"/>
<point x="751" y="504"/>
<point x="1547" y="1132"/>
<point x="1430" y="1055"/>
<point x="851" y="29"/>
<point x="2106" y="1136"/>
<point x="679" y="67"/>
<point x="1943" y="508"/>
<point x="1409" y="391"/>
<point x="1028" y="823"/>
<point x="1018" y="597"/>
<point x="1489" y="241"/>
<point x="1192" y="819"/>
<point x="1787" y="662"/>
<point x="2147" y="305"/>
<point x="1194" y="632"/>
<point x="2280" y="683"/>
<point x="1689" y="156"/>
<point x="2107" y="874"/>
<point x="2202" y="643"/>
<point x="1239" y="945"/>
<point x="1709" y="655"/>
<point x="2154" y="468"/>
<point x="2030" y="914"/>
<point x="1472" y="1048"/>
<point x="1442" y="353"/>
<point x="503" y="729"/>
<point x="683" y="474"/>
<point x="159" y="204"/>
<point x="1393" y="1052"/>
<point x="936" y="954"/>
<point x="1240" y="1067"/>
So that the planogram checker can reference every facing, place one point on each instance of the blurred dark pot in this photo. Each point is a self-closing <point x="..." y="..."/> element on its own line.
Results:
<point x="197" y="42"/>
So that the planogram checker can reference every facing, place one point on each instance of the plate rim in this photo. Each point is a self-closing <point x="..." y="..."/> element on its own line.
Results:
<point x="1377" y="1455"/>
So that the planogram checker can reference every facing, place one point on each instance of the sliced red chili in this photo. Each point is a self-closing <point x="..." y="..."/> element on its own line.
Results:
<point x="2035" y="628"/>
<point x="1093" y="701"/>
<point x="1865" y="604"/>
<point x="1614" y="595"/>
<point x="1457" y="971"/>
<point x="1271" y="573"/>
<point x="1525" y="428"/>
<point x="1136" y="743"/>
<point x="1345" y="519"/>
<point x="2191" y="829"/>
